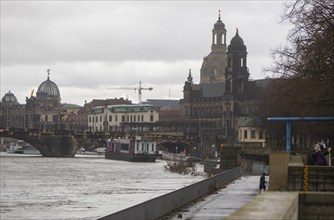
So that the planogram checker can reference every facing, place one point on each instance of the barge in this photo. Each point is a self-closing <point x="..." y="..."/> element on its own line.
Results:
<point x="135" y="150"/>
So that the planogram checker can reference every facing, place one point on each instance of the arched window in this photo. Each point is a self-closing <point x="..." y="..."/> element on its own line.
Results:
<point x="214" y="39"/>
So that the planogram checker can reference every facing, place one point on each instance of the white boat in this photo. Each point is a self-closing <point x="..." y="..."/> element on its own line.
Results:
<point x="21" y="147"/>
<point x="15" y="148"/>
<point x="29" y="149"/>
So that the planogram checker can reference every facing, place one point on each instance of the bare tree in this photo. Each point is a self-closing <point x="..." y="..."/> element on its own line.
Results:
<point x="306" y="66"/>
<point x="309" y="59"/>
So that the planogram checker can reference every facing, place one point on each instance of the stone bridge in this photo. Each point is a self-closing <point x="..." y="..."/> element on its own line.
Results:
<point x="49" y="144"/>
<point x="66" y="143"/>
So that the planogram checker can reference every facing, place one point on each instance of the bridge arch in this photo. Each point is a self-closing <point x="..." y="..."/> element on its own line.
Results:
<point x="176" y="146"/>
<point x="49" y="144"/>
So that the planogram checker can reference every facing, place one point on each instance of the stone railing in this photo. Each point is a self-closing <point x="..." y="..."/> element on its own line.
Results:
<point x="162" y="205"/>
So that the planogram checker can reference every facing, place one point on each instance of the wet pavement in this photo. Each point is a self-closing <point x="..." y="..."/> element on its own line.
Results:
<point x="223" y="202"/>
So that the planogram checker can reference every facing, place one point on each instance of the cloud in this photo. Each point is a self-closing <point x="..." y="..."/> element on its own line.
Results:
<point x="92" y="45"/>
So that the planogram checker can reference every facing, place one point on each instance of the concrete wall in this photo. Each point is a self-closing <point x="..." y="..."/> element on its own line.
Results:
<point x="310" y="178"/>
<point x="316" y="206"/>
<point x="157" y="207"/>
<point x="278" y="163"/>
<point x="287" y="205"/>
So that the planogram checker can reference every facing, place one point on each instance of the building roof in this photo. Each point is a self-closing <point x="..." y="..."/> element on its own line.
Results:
<point x="248" y="122"/>
<point x="123" y="108"/>
<point x="237" y="40"/>
<point x="130" y="108"/>
<point x="219" y="23"/>
<point x="104" y="102"/>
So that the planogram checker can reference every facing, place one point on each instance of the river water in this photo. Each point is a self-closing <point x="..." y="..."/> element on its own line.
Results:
<point x="83" y="187"/>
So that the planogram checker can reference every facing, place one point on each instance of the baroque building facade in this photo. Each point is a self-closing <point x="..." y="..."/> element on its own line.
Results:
<point x="111" y="118"/>
<point x="43" y="111"/>
<point x="224" y="93"/>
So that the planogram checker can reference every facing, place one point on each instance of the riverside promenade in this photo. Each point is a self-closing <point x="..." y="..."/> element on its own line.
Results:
<point x="221" y="203"/>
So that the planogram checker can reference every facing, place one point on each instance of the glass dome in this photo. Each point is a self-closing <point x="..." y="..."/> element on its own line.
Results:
<point x="48" y="89"/>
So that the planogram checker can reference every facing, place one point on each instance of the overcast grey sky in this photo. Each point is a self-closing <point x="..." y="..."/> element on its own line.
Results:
<point x="91" y="46"/>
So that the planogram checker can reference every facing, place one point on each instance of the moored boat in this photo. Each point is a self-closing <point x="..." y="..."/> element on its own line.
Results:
<point x="15" y="148"/>
<point x="21" y="147"/>
<point x="29" y="149"/>
<point x="135" y="150"/>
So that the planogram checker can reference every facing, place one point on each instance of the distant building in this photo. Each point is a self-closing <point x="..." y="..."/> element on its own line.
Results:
<point x="110" y="118"/>
<point x="12" y="114"/>
<point x="224" y="93"/>
<point x="250" y="131"/>
<point x="43" y="111"/>
<point x="104" y="102"/>
<point x="78" y="121"/>
<point x="168" y="109"/>
<point x="169" y="113"/>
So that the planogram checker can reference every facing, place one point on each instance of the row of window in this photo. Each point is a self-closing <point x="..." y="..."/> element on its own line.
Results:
<point x="253" y="134"/>
<point x="147" y="147"/>
<point x="127" y="118"/>
<point x="125" y="147"/>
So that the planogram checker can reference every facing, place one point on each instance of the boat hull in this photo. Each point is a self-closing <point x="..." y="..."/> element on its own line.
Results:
<point x="131" y="158"/>
<point x="15" y="151"/>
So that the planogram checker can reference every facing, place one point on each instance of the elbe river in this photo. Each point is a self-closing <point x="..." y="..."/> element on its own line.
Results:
<point x="83" y="187"/>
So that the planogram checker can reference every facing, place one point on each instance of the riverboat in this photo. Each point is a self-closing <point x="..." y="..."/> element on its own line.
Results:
<point x="15" y="148"/>
<point x="135" y="150"/>
<point x="29" y="149"/>
<point x="21" y="147"/>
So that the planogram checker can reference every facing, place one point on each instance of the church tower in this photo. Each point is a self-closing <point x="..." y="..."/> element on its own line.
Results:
<point x="213" y="66"/>
<point x="236" y="74"/>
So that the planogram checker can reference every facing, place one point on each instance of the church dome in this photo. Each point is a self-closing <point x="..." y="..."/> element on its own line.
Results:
<point x="237" y="40"/>
<point x="9" y="98"/>
<point x="48" y="89"/>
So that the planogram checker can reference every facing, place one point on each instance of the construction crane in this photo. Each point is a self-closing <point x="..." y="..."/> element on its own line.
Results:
<point x="140" y="88"/>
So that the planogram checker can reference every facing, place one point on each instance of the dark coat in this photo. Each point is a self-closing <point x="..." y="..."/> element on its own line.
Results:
<point x="263" y="182"/>
<point x="320" y="159"/>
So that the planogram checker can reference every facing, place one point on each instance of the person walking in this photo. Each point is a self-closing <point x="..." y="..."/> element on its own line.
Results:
<point x="262" y="183"/>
